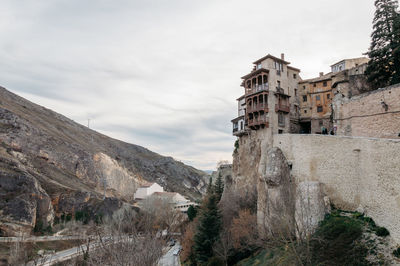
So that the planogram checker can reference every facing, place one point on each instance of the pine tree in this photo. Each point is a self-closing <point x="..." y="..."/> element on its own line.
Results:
<point x="381" y="65"/>
<point x="210" y="189"/>
<point x="208" y="230"/>
<point x="396" y="51"/>
<point x="191" y="212"/>
<point x="219" y="187"/>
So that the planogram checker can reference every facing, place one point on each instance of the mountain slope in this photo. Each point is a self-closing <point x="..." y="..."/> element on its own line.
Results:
<point x="70" y="163"/>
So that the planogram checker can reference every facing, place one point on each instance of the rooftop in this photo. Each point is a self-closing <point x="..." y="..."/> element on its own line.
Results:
<point x="272" y="57"/>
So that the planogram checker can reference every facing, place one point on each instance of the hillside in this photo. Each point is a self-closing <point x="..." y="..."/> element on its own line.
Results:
<point x="50" y="165"/>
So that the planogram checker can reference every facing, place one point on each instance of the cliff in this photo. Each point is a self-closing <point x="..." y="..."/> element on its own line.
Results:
<point x="51" y="165"/>
<point x="298" y="177"/>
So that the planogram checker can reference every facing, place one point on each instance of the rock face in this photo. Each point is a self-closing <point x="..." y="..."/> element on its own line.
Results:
<point x="311" y="207"/>
<point x="285" y="207"/>
<point x="23" y="201"/>
<point x="68" y="165"/>
<point x="276" y="202"/>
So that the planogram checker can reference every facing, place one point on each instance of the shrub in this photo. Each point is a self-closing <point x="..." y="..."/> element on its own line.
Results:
<point x="396" y="252"/>
<point x="236" y="146"/>
<point x="337" y="242"/>
<point x="381" y="231"/>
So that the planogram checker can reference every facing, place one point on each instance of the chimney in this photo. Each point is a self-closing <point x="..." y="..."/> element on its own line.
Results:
<point x="321" y="74"/>
<point x="282" y="56"/>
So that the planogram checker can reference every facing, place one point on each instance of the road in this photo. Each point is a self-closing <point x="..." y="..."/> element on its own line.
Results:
<point x="62" y="255"/>
<point x="169" y="259"/>
<point x="39" y="238"/>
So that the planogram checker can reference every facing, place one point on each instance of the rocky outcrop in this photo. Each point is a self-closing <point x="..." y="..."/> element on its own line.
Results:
<point x="65" y="160"/>
<point x="276" y="201"/>
<point x="23" y="202"/>
<point x="285" y="207"/>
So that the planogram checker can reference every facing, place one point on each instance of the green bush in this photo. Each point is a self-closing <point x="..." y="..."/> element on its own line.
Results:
<point x="82" y="216"/>
<point x="337" y="242"/>
<point x="381" y="231"/>
<point x="396" y="252"/>
<point x="236" y="146"/>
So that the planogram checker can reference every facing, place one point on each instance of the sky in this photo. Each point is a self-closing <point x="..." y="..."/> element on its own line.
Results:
<point x="165" y="74"/>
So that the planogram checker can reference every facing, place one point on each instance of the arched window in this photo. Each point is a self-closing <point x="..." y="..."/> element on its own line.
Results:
<point x="259" y="80"/>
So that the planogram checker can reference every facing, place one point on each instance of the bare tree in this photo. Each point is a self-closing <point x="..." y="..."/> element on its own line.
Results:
<point x="121" y="242"/>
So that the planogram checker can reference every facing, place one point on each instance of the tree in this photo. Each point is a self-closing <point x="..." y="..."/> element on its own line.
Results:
<point x="381" y="69"/>
<point x="191" y="212"/>
<point x="396" y="50"/>
<point x="219" y="187"/>
<point x="210" y="189"/>
<point x="207" y="230"/>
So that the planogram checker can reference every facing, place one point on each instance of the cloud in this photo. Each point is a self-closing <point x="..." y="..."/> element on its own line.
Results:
<point x="165" y="74"/>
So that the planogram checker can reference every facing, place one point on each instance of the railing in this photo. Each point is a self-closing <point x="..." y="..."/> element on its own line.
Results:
<point x="280" y="90"/>
<point x="235" y="130"/>
<point x="258" y="121"/>
<point x="257" y="88"/>
<point x="257" y="107"/>
<point x="282" y="108"/>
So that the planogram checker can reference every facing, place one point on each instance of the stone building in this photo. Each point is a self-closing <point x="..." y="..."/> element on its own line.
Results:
<point x="271" y="94"/>
<point x="348" y="64"/>
<point x="315" y="107"/>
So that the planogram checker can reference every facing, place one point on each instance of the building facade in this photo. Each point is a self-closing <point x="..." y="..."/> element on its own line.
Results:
<point x="315" y="108"/>
<point x="271" y="94"/>
<point x="147" y="190"/>
<point x="277" y="98"/>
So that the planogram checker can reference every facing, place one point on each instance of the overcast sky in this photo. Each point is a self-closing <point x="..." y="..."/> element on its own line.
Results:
<point x="165" y="74"/>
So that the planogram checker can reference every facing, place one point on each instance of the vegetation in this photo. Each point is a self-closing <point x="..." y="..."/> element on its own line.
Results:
<point x="208" y="229"/>
<point x="340" y="239"/>
<point x="384" y="52"/>
<point x="192" y="212"/>
<point x="219" y="187"/>
<point x="236" y="146"/>
<point x="396" y="252"/>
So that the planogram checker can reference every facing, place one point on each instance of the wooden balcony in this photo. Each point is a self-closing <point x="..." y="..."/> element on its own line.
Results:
<point x="257" y="88"/>
<point x="258" y="107"/>
<point x="258" y="122"/>
<point x="282" y="108"/>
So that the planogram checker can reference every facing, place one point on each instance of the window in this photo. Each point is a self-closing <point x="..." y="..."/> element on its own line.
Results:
<point x="295" y="92"/>
<point x="328" y="96"/>
<point x="258" y="66"/>
<point x="321" y="122"/>
<point x="304" y="98"/>
<point x="281" y="119"/>
<point x="280" y="131"/>
<point x="279" y="84"/>
<point x="317" y="97"/>
<point x="324" y="84"/>
<point x="315" y="84"/>
<point x="319" y="109"/>
<point x="304" y="87"/>
<point x="294" y="76"/>
<point x="305" y="111"/>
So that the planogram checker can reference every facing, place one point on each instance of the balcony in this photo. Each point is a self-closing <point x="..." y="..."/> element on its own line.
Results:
<point x="282" y="107"/>
<point x="258" y="107"/>
<point x="257" y="121"/>
<point x="257" y="88"/>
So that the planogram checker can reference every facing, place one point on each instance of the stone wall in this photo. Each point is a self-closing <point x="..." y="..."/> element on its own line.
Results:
<point x="356" y="173"/>
<point x="371" y="114"/>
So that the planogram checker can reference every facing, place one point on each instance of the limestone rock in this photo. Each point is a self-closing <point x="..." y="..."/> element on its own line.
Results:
<point x="311" y="207"/>
<point x="275" y="204"/>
